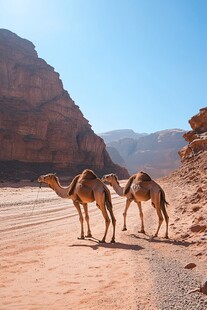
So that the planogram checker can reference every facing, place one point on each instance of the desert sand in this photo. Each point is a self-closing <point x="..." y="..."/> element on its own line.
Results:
<point x="44" y="265"/>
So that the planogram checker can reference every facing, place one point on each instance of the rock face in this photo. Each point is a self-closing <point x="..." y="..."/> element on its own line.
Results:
<point x="155" y="153"/>
<point x="190" y="186"/>
<point x="197" y="137"/>
<point x="41" y="128"/>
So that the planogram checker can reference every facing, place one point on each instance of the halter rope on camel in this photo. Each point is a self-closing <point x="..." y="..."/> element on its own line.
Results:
<point x="36" y="198"/>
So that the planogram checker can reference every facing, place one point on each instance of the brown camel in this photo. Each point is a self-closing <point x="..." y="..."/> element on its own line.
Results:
<point x="140" y="187"/>
<point x="85" y="188"/>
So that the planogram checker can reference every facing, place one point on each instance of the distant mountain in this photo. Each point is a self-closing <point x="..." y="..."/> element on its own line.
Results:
<point x="155" y="153"/>
<point x="116" y="135"/>
<point x="117" y="158"/>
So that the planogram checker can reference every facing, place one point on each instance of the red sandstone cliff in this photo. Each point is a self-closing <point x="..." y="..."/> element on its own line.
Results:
<point x="197" y="137"/>
<point x="41" y="128"/>
<point x="190" y="186"/>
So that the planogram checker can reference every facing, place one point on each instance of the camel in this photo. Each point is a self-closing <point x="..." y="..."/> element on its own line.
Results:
<point x="85" y="188"/>
<point x="140" y="187"/>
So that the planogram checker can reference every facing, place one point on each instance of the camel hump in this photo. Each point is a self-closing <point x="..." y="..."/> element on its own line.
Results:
<point x="142" y="177"/>
<point x="139" y="177"/>
<point x="88" y="174"/>
<point x="128" y="185"/>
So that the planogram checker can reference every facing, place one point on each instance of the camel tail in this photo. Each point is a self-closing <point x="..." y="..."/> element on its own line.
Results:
<point x="73" y="184"/>
<point x="109" y="207"/>
<point x="163" y="200"/>
<point x="163" y="204"/>
<point x="108" y="198"/>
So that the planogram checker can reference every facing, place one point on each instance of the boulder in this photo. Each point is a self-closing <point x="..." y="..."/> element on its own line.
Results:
<point x="197" y="137"/>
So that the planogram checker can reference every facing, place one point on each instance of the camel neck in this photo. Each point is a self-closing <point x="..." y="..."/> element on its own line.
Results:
<point x="60" y="191"/>
<point x="118" y="189"/>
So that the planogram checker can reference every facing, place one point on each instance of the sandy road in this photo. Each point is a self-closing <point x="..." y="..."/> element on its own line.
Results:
<point x="44" y="266"/>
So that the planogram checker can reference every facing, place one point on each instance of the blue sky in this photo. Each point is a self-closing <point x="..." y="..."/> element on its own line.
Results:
<point x="128" y="64"/>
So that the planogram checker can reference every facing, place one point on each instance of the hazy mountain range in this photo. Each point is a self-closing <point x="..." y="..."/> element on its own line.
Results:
<point x="155" y="153"/>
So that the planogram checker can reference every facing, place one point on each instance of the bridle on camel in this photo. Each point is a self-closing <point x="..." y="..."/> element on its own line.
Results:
<point x="36" y="198"/>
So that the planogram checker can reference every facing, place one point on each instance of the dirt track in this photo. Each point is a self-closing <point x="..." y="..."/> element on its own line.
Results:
<point x="44" y="265"/>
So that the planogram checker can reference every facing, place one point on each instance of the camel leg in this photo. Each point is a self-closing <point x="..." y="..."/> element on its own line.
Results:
<point x="107" y="222"/>
<point x="159" y="213"/>
<point x="85" y="206"/>
<point x="77" y="205"/>
<point x="109" y="207"/>
<point x="141" y="217"/>
<point x="128" y="202"/>
<point x="166" y="220"/>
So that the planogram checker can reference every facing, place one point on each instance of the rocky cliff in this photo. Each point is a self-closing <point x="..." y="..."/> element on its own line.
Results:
<point x="41" y="128"/>
<point x="189" y="181"/>
<point x="197" y="137"/>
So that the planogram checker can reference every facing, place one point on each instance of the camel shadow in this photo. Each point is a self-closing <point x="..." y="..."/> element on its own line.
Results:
<point x="158" y="240"/>
<point x="116" y="245"/>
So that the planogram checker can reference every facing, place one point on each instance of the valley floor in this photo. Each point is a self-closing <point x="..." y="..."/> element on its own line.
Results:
<point x="44" y="266"/>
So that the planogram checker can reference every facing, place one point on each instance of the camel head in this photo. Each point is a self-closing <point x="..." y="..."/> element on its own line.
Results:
<point x="47" y="178"/>
<point x="110" y="179"/>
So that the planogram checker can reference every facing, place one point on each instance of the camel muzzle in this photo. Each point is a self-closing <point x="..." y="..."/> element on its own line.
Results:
<point x="105" y="181"/>
<point x="40" y="179"/>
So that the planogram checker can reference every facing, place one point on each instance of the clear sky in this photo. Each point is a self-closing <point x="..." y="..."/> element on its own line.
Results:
<point x="128" y="64"/>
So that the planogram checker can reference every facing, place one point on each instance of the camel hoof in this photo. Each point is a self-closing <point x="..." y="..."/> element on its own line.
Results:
<point x="89" y="236"/>
<point x="80" y="238"/>
<point x="113" y="241"/>
<point x="124" y="229"/>
<point x="154" y="236"/>
<point x="166" y="237"/>
<point x="102" y="241"/>
<point x="142" y="231"/>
